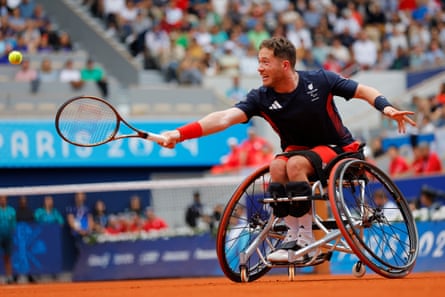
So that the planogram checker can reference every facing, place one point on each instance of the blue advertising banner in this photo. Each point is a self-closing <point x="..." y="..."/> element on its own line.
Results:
<point x="37" y="249"/>
<point x="171" y="257"/>
<point x="196" y="256"/>
<point x="37" y="144"/>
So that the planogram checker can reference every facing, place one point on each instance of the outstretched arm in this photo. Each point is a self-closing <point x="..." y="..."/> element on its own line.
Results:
<point x="376" y="99"/>
<point x="211" y="123"/>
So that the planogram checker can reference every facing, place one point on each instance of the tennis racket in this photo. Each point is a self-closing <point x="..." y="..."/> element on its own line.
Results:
<point x="91" y="121"/>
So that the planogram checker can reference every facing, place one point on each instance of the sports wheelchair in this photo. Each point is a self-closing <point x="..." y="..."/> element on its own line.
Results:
<point x="383" y="236"/>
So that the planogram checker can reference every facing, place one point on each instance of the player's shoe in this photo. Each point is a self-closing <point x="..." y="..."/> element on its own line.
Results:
<point x="293" y="242"/>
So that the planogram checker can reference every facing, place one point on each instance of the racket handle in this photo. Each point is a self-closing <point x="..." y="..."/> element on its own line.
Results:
<point x="156" y="137"/>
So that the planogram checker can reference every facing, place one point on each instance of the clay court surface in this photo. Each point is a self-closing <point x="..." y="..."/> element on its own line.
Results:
<point x="418" y="285"/>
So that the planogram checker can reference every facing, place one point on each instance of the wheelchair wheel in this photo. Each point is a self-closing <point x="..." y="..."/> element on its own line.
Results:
<point x="373" y="217"/>
<point x="241" y="223"/>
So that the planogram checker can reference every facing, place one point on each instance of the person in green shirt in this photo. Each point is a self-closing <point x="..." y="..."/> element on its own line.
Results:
<point x="47" y="214"/>
<point x="94" y="73"/>
<point x="7" y="227"/>
<point x="258" y="34"/>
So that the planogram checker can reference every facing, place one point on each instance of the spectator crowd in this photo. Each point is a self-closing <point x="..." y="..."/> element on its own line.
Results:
<point x="189" y="39"/>
<point x="423" y="154"/>
<point x="25" y="26"/>
<point x="84" y="223"/>
<point x="76" y="78"/>
<point x="97" y="224"/>
<point x="252" y="153"/>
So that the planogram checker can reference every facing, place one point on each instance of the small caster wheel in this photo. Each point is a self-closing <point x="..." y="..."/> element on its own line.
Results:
<point x="358" y="269"/>
<point x="291" y="272"/>
<point x="243" y="274"/>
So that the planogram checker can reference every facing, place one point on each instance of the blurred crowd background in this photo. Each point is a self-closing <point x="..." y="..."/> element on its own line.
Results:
<point x="188" y="39"/>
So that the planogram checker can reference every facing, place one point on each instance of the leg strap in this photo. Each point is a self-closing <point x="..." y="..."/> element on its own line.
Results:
<point x="299" y="188"/>
<point x="280" y="209"/>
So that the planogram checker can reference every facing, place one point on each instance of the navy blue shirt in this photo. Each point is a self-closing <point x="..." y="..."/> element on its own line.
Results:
<point x="308" y="115"/>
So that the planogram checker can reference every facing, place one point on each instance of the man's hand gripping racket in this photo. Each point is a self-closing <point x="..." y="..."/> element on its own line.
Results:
<point x="91" y="121"/>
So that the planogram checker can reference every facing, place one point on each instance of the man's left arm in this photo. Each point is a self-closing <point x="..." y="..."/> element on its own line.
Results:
<point x="379" y="102"/>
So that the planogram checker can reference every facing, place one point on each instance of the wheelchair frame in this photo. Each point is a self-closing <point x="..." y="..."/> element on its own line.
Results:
<point x="353" y="216"/>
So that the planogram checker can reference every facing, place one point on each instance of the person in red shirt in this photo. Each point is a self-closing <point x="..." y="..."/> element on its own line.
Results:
<point x="440" y="97"/>
<point x="332" y="64"/>
<point x="409" y="5"/>
<point x="231" y="162"/>
<point x="398" y="165"/>
<point x="153" y="222"/>
<point x="132" y="222"/>
<point x="114" y="226"/>
<point x="425" y="161"/>
<point x="253" y="148"/>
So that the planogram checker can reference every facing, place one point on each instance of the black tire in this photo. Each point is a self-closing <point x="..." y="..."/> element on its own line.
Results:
<point x="242" y="220"/>
<point x="384" y="238"/>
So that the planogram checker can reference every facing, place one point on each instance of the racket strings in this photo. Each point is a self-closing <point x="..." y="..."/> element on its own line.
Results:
<point x="88" y="122"/>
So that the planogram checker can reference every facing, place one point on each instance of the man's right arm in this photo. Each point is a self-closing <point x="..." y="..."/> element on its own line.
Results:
<point x="211" y="123"/>
<point x="220" y="120"/>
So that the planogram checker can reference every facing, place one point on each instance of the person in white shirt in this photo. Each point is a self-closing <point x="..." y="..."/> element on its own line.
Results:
<point x="111" y="10"/>
<point x="126" y="17"/>
<point x="157" y="45"/>
<point x="347" y="23"/>
<point x="68" y="74"/>
<point x="300" y="35"/>
<point x="249" y="63"/>
<point x="365" y="51"/>
<point x="397" y="39"/>
<point x="340" y="52"/>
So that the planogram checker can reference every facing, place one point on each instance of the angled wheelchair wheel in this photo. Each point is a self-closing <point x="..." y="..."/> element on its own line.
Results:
<point x="242" y="223"/>
<point x="373" y="217"/>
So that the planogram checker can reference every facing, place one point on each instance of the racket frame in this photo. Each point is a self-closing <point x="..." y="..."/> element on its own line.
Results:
<point x="114" y="135"/>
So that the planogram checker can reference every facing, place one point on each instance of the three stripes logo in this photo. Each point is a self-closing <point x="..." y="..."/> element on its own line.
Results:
<point x="275" y="106"/>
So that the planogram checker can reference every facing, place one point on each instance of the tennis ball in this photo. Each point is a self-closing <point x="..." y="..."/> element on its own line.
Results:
<point x="15" y="57"/>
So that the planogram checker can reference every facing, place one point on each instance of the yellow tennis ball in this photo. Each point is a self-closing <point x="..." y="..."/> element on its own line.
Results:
<point x="15" y="57"/>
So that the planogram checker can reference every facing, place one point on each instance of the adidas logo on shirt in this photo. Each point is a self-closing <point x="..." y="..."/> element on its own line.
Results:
<point x="275" y="106"/>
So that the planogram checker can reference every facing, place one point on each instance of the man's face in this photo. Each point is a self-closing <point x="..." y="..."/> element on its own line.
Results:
<point x="3" y="201"/>
<point x="424" y="151"/>
<point x="392" y="152"/>
<point x="270" y="67"/>
<point x="25" y="65"/>
<point x="80" y="198"/>
<point x="49" y="202"/>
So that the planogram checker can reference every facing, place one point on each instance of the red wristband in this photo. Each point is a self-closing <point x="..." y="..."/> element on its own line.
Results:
<point x="189" y="131"/>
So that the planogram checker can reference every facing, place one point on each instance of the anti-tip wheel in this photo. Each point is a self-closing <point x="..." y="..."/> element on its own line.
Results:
<point x="291" y="272"/>
<point x="243" y="274"/>
<point x="358" y="269"/>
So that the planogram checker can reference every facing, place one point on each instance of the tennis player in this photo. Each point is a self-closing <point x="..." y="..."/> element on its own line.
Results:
<point x="299" y="106"/>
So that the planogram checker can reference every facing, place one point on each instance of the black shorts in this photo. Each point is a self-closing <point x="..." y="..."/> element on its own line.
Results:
<point x="6" y="243"/>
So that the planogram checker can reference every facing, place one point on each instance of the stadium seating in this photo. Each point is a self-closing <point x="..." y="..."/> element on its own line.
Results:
<point x="16" y="98"/>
